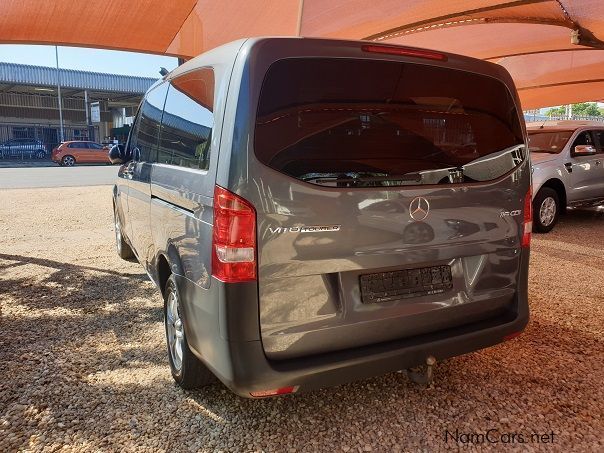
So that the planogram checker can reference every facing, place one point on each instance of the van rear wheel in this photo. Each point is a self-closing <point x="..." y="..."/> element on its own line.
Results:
<point x="546" y="210"/>
<point x="187" y="370"/>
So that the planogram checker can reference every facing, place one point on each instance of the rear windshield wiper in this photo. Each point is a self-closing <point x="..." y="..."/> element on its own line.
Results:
<point x="349" y="180"/>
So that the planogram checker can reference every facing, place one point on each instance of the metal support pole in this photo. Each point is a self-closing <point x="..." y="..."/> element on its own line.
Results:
<point x="88" y="123"/>
<point x="300" y="12"/>
<point x="86" y="107"/>
<point x="62" y="135"/>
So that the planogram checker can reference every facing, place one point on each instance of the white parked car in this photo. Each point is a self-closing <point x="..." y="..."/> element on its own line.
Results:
<point x="568" y="168"/>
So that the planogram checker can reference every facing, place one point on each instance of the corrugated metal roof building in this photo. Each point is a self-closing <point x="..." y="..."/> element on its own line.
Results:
<point x="11" y="73"/>
<point x="29" y="105"/>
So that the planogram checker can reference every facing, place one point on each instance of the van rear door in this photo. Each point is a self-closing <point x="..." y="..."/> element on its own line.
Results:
<point x="389" y="199"/>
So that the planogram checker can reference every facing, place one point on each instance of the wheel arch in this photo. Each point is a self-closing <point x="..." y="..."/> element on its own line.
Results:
<point x="167" y="263"/>
<point x="163" y="272"/>
<point x="117" y="207"/>
<point x="557" y="185"/>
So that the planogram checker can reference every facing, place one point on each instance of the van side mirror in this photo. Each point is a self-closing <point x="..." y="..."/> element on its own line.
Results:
<point x="584" y="150"/>
<point x="119" y="155"/>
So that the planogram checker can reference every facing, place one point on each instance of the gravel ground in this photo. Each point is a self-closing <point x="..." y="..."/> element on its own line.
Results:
<point x="83" y="365"/>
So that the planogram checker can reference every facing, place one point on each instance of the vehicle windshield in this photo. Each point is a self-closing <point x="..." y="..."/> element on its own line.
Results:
<point x="382" y="123"/>
<point x="552" y="142"/>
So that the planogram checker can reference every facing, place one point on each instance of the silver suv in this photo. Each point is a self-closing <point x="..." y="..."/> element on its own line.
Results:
<point x="317" y="211"/>
<point x="20" y="147"/>
<point x="568" y="168"/>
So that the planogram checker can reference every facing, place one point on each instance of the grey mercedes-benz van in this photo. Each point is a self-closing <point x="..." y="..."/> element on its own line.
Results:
<point x="319" y="211"/>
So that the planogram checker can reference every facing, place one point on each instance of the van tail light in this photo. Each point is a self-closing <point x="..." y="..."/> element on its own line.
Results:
<point x="528" y="219"/>
<point x="512" y="335"/>
<point x="405" y="52"/>
<point x="275" y="392"/>
<point x="234" y="238"/>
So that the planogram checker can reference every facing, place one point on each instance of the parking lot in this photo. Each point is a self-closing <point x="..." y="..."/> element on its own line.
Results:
<point x="84" y="365"/>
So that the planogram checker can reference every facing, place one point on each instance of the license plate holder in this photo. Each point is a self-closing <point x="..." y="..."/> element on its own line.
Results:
<point x="405" y="283"/>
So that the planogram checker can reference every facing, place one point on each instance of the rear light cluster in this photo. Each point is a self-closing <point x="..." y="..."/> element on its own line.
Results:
<point x="274" y="392"/>
<point x="528" y="219"/>
<point x="512" y="335"/>
<point x="234" y="238"/>
<point x="405" y="52"/>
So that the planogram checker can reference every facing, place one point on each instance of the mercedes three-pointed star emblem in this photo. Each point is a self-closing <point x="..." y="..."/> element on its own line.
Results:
<point x="419" y="208"/>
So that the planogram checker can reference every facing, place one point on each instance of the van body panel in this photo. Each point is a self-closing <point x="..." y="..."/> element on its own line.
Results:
<point x="139" y="175"/>
<point x="308" y="282"/>
<point x="242" y="365"/>
<point x="310" y="320"/>
<point x="139" y="198"/>
<point x="182" y="198"/>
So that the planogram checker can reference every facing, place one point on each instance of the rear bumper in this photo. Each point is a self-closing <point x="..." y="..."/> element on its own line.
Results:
<point x="222" y="329"/>
<point x="251" y="371"/>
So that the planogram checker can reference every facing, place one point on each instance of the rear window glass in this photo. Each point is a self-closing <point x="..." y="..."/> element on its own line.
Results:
<point x="548" y="141"/>
<point x="353" y="122"/>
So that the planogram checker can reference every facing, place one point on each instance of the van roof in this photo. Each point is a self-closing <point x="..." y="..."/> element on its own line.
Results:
<point x="229" y="51"/>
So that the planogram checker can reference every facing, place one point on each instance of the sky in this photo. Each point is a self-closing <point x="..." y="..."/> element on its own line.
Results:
<point x="107" y="61"/>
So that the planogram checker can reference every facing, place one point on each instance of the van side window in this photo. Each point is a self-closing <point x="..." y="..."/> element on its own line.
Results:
<point x="145" y="134"/>
<point x="188" y="121"/>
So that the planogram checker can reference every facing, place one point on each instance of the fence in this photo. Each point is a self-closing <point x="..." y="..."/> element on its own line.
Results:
<point x="36" y="141"/>
<point x="532" y="117"/>
<point x="577" y="117"/>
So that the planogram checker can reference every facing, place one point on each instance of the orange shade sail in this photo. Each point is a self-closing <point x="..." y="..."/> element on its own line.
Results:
<point x="554" y="49"/>
<point x="137" y="25"/>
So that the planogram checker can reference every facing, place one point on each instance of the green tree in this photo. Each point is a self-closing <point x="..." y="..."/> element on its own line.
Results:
<point x="586" y="109"/>
<point x="580" y="109"/>
<point x="556" y="111"/>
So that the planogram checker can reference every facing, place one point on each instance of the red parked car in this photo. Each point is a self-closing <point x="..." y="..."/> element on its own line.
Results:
<point x="70" y="153"/>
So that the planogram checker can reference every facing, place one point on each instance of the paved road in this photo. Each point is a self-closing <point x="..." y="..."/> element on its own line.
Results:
<point x="21" y="178"/>
<point x="27" y="163"/>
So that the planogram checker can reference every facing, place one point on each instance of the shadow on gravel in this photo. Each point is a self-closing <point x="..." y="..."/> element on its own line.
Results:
<point x="21" y="260"/>
<point x="62" y="323"/>
<point x="74" y="309"/>
<point x="511" y="387"/>
<point x="583" y="216"/>
<point x="576" y="225"/>
<point x="81" y="288"/>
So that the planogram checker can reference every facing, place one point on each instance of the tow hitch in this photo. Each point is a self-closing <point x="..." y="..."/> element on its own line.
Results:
<point x="423" y="375"/>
